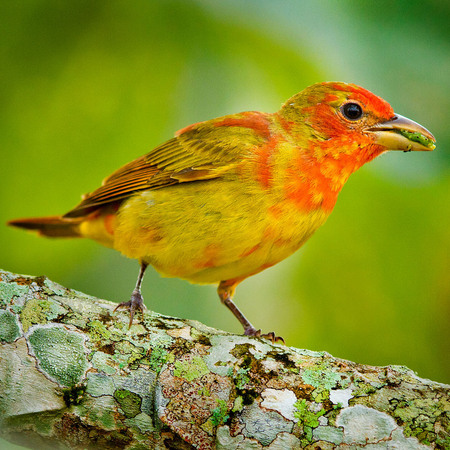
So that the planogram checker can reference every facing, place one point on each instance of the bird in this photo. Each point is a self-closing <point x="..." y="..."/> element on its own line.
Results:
<point x="227" y="198"/>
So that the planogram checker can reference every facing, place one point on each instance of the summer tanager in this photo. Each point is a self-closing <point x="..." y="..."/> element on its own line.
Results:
<point x="229" y="197"/>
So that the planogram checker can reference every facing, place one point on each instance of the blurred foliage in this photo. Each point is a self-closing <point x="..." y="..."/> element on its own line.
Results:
<point x="88" y="86"/>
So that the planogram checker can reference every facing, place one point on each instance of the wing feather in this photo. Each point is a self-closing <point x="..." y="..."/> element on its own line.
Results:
<point x="203" y="151"/>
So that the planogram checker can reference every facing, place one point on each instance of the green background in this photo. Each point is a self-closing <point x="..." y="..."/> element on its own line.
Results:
<point x="86" y="87"/>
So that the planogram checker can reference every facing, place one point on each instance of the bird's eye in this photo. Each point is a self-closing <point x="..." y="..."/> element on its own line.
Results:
<point x="352" y="111"/>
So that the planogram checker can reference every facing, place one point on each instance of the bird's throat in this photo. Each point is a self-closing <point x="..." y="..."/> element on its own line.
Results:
<point x="316" y="177"/>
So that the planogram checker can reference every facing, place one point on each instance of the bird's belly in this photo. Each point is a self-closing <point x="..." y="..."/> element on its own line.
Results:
<point x="208" y="232"/>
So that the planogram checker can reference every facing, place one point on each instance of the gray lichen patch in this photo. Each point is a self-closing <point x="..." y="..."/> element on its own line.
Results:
<point x="225" y="441"/>
<point x="60" y="353"/>
<point x="9" y="290"/>
<point x="9" y="327"/>
<point x="264" y="426"/>
<point x="99" y="384"/>
<point x="142" y="423"/>
<point x="364" y="426"/>
<point x="328" y="434"/>
<point x="139" y="382"/>
<point x="54" y="288"/>
<point x="103" y="363"/>
<point x="87" y="307"/>
<point x="223" y="353"/>
<point x="100" y="412"/>
<point x="280" y="400"/>
<point x="24" y="390"/>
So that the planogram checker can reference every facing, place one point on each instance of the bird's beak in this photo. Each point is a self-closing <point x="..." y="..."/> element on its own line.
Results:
<point x="401" y="133"/>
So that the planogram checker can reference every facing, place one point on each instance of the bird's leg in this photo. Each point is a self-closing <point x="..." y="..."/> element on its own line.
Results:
<point x="136" y="301"/>
<point x="226" y="291"/>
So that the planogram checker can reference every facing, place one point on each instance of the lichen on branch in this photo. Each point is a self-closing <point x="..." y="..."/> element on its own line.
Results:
<point x="72" y="373"/>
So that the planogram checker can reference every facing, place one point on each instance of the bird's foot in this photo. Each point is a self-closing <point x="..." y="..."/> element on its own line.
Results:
<point x="136" y="302"/>
<point x="269" y="336"/>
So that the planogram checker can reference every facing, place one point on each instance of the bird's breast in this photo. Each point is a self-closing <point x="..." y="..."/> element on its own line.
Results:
<point x="211" y="231"/>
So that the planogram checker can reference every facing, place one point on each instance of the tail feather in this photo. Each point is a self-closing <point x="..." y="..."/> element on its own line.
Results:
<point x="53" y="226"/>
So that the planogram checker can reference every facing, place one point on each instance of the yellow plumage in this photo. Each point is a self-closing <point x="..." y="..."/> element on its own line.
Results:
<point x="229" y="197"/>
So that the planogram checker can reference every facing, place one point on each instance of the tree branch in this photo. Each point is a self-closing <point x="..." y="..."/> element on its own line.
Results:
<point x="73" y="375"/>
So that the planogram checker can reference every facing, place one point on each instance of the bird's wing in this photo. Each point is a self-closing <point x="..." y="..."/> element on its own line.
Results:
<point x="202" y="151"/>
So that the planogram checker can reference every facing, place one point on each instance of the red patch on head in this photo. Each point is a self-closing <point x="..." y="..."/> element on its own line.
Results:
<point x="323" y="114"/>
<point x="329" y="98"/>
<point x="379" y="107"/>
<point x="336" y="146"/>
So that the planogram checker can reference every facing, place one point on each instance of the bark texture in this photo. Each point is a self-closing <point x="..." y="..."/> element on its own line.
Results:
<point x="72" y="375"/>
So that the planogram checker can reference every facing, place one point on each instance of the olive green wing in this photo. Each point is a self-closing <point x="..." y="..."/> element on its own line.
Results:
<point x="202" y="151"/>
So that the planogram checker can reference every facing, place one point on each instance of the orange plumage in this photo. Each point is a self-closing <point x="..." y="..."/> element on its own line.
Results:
<point x="226" y="198"/>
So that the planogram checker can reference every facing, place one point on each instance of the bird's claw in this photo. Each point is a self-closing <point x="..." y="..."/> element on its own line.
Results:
<point x="136" y="302"/>
<point x="269" y="336"/>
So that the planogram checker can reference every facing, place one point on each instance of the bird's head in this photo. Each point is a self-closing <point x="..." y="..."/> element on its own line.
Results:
<point x="338" y="119"/>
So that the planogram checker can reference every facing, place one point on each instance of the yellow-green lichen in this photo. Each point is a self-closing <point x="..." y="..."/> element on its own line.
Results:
<point x="238" y="404"/>
<point x="98" y="331"/>
<point x="241" y="378"/>
<point x="60" y="354"/>
<point x="190" y="370"/>
<point x="204" y="392"/>
<point x="208" y="427"/>
<point x="10" y="290"/>
<point x="416" y="423"/>
<point x="220" y="414"/>
<point x="363" y="389"/>
<point x="320" y="394"/>
<point x="9" y="328"/>
<point x="158" y="357"/>
<point x="127" y="353"/>
<point x="34" y="312"/>
<point x="129" y="402"/>
<point x="309" y="419"/>
<point x="325" y="378"/>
